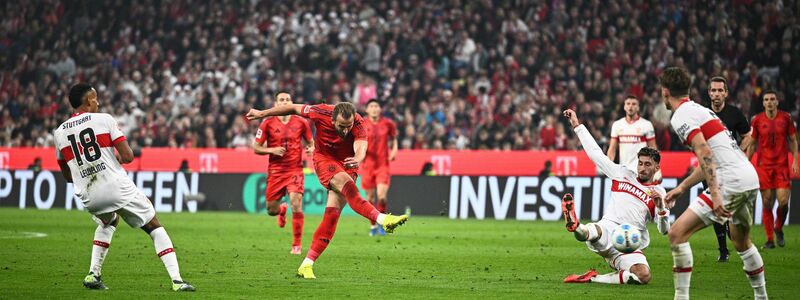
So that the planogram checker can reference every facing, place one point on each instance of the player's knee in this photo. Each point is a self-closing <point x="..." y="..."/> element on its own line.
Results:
<point x="642" y="272"/>
<point x="273" y="211"/>
<point x="115" y="222"/>
<point x="675" y="237"/>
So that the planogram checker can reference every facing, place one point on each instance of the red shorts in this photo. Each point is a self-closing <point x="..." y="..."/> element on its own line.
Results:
<point x="281" y="183"/>
<point x="372" y="176"/>
<point x="327" y="168"/>
<point x="774" y="178"/>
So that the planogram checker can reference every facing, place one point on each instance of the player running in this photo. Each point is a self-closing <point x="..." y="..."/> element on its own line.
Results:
<point x="771" y="130"/>
<point x="341" y="145"/>
<point x="283" y="136"/>
<point x="630" y="134"/>
<point x="635" y="198"/>
<point x="732" y="184"/>
<point x="739" y="129"/>
<point x="382" y="149"/>
<point x="86" y="143"/>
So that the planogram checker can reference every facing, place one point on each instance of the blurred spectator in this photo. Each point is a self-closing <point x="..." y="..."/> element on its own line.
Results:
<point x="455" y="74"/>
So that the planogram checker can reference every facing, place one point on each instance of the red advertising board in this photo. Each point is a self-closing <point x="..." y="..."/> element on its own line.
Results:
<point x="408" y="162"/>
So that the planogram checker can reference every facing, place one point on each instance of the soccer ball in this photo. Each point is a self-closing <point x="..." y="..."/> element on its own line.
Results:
<point x="626" y="238"/>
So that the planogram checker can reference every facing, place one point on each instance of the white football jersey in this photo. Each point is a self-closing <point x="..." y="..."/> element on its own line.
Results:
<point x="735" y="174"/>
<point x="631" y="138"/>
<point x="630" y="202"/>
<point x="86" y="143"/>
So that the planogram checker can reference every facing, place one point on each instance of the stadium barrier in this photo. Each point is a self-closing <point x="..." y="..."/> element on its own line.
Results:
<point x="457" y="197"/>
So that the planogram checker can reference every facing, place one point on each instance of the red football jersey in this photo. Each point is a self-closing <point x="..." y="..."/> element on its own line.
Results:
<point x="288" y="135"/>
<point x="771" y="136"/>
<point x="327" y="142"/>
<point x="379" y="134"/>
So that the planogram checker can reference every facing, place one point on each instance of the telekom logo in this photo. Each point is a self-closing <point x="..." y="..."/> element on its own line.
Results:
<point x="442" y="164"/>
<point x="566" y="165"/>
<point x="4" y="159"/>
<point x="209" y="163"/>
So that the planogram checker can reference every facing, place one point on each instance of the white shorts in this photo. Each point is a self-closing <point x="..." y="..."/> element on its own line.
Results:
<point x="137" y="212"/>
<point x="615" y="259"/>
<point x="741" y="205"/>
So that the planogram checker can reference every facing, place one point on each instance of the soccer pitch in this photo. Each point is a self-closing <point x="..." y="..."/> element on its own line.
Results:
<point x="237" y="255"/>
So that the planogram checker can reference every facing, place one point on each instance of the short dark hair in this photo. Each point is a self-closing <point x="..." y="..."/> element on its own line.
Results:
<point x="373" y="100"/>
<point x="676" y="80"/>
<point x="283" y="92"/>
<point x="651" y="153"/>
<point x="77" y="92"/>
<point x="345" y="109"/>
<point x="768" y="91"/>
<point x="632" y="96"/>
<point x="720" y="79"/>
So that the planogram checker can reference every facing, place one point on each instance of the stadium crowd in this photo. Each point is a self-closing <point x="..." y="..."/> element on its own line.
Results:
<point x="460" y="74"/>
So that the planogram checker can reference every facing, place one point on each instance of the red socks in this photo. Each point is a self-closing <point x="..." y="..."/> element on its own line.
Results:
<point x="324" y="233"/>
<point x="382" y="207"/>
<point x="297" y="228"/>
<point x="782" y="212"/>
<point x="358" y="204"/>
<point x="769" y="221"/>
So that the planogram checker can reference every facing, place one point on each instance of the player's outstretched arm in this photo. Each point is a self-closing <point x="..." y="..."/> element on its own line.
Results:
<point x="662" y="214"/>
<point x="285" y="110"/>
<point x="608" y="167"/>
<point x="360" y="149"/>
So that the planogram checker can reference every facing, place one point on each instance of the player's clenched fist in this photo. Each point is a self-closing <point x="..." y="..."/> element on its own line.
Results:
<point x="254" y="114"/>
<point x="573" y="117"/>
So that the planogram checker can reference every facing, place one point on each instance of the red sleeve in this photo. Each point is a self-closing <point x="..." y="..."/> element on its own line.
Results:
<point x="261" y="133"/>
<point x="754" y="128"/>
<point x="306" y="111"/>
<point x="359" y="133"/>
<point x="307" y="130"/>
<point x="392" y="129"/>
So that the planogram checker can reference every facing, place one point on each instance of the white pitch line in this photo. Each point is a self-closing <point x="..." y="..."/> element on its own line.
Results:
<point x="22" y="235"/>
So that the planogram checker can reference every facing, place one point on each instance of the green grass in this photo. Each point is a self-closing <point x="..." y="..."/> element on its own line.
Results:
<point x="235" y="255"/>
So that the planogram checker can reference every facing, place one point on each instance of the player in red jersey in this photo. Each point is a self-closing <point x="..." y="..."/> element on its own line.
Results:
<point x="382" y="149"/>
<point x="773" y="136"/>
<point x="283" y="137"/>
<point x="341" y="145"/>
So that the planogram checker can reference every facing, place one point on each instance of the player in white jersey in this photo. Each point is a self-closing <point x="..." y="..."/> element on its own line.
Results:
<point x="732" y="185"/>
<point x="86" y="144"/>
<point x="635" y="199"/>
<point x="629" y="134"/>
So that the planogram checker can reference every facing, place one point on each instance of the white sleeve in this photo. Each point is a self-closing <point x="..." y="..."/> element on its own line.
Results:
<point x="684" y="126"/>
<point x="596" y="154"/>
<point x="649" y="131"/>
<point x="114" y="131"/>
<point x="614" y="130"/>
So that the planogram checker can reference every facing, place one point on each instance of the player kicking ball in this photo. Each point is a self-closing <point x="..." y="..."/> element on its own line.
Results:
<point x="86" y="143"/>
<point x="635" y="198"/>
<point x="341" y="145"/>
<point x="283" y="136"/>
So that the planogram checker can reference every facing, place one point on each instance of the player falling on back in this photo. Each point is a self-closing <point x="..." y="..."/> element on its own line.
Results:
<point x="773" y="137"/>
<point x="630" y="134"/>
<point x="341" y="145"/>
<point x="732" y="185"/>
<point x="283" y="137"/>
<point x="382" y="149"/>
<point x="635" y="198"/>
<point x="86" y="143"/>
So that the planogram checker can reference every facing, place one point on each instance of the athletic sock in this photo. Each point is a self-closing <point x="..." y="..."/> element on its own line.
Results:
<point x="682" y="269"/>
<point x="754" y="268"/>
<point x="297" y="228"/>
<point x="324" y="234"/>
<point x="358" y="204"/>
<point x="721" y="231"/>
<point x="783" y="211"/>
<point x="621" y="277"/>
<point x="282" y="210"/>
<point x="382" y="206"/>
<point x="102" y="240"/>
<point x="166" y="252"/>
<point x="769" y="222"/>
<point x="586" y="232"/>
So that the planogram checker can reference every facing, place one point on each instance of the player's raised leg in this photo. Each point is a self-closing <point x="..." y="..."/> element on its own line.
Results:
<point x="107" y="225"/>
<point x="323" y="235"/>
<point x="165" y="251"/>
<point x="343" y="184"/>
<point x="782" y="213"/>
<point x="637" y="274"/>
<point x="767" y="217"/>
<point x="296" y="200"/>
<point x="687" y="224"/>
<point x="751" y="259"/>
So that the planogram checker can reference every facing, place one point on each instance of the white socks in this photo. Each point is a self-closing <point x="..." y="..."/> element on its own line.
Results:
<point x="165" y="251"/>
<point x="307" y="261"/>
<point x="621" y="277"/>
<point x="586" y="232"/>
<point x="682" y="269"/>
<point x="754" y="268"/>
<point x="102" y="240"/>
<point x="381" y="218"/>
